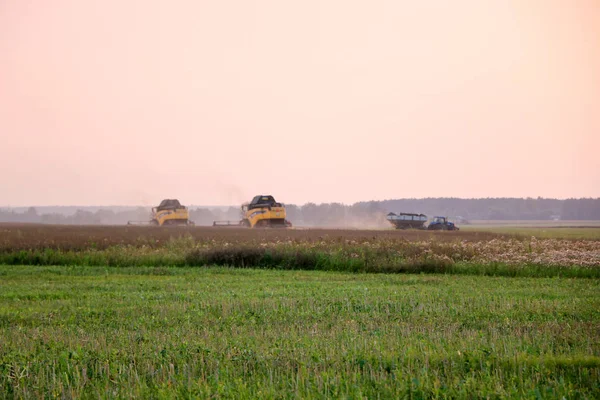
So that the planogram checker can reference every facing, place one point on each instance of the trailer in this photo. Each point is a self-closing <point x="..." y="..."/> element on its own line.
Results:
<point x="407" y="220"/>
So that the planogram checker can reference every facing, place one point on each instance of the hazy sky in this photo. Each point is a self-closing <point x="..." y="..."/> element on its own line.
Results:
<point x="128" y="102"/>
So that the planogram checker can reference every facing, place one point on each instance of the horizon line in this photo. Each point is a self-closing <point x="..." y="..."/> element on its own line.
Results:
<point x="291" y="203"/>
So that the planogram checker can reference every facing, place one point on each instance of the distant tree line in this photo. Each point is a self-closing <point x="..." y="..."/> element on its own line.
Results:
<point x="363" y="214"/>
<point x="490" y="208"/>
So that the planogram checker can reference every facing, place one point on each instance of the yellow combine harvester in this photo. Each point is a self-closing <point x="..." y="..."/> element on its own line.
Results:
<point x="168" y="212"/>
<point x="262" y="212"/>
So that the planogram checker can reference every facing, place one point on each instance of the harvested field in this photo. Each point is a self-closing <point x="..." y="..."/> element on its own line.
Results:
<point x="559" y="232"/>
<point x="73" y="237"/>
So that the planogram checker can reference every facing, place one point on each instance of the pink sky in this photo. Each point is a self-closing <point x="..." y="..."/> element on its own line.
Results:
<point x="128" y="102"/>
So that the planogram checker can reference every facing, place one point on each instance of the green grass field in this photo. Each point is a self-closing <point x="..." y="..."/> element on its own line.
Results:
<point x="244" y="333"/>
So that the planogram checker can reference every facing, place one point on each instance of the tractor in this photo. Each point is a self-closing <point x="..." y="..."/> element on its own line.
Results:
<point x="441" y="224"/>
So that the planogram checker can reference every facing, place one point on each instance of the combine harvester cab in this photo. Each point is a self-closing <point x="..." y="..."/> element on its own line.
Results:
<point x="407" y="220"/>
<point x="262" y="212"/>
<point x="168" y="212"/>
